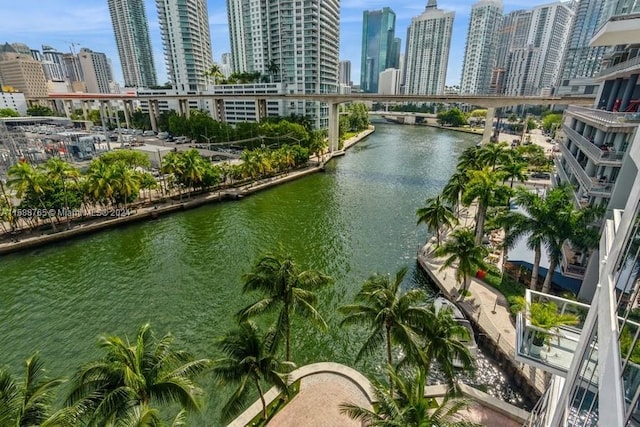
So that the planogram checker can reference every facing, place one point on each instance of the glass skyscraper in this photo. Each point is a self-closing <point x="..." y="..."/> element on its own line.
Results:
<point x="380" y="48"/>
<point x="131" y="30"/>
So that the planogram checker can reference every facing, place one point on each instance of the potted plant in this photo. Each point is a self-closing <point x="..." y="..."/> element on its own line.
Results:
<point x="545" y="315"/>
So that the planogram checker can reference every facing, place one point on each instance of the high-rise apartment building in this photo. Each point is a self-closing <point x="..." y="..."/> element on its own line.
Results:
<point x="295" y="43"/>
<point x="538" y="39"/>
<point x="96" y="70"/>
<point x="378" y="36"/>
<point x="581" y="61"/>
<point x="22" y="72"/>
<point x="480" y="51"/>
<point x="226" y="65"/>
<point x="53" y="64"/>
<point x="595" y="365"/>
<point x="184" y="25"/>
<point x="345" y="73"/>
<point x="131" y="30"/>
<point x="427" y="52"/>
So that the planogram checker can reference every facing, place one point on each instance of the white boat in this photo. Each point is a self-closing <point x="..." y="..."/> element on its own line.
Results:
<point x="441" y="303"/>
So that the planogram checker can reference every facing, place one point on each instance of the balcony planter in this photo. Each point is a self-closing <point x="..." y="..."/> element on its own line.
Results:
<point x="537" y="344"/>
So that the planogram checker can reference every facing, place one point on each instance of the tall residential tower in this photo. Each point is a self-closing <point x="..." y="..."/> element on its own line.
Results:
<point x="428" y="43"/>
<point x="134" y="46"/>
<point x="482" y="43"/>
<point x="295" y="43"/>
<point x="378" y="46"/>
<point x="184" y="25"/>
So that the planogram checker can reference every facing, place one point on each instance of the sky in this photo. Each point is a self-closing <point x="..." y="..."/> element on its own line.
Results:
<point x="71" y="24"/>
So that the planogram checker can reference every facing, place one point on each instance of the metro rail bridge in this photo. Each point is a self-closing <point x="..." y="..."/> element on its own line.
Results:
<point x="490" y="102"/>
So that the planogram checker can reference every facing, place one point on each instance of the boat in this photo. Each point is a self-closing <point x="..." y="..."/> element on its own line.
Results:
<point x="441" y="303"/>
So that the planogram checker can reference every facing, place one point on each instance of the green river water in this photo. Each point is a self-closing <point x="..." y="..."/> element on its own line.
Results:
<point x="183" y="272"/>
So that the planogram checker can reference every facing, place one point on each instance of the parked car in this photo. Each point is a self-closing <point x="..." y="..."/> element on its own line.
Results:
<point x="149" y="133"/>
<point x="163" y="135"/>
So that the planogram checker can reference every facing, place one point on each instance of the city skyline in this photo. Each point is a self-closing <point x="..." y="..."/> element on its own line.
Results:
<point x="31" y="22"/>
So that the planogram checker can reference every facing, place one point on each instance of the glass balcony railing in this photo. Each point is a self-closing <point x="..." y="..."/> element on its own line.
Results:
<point x="548" y="331"/>
<point x="597" y="154"/>
<point x="606" y="118"/>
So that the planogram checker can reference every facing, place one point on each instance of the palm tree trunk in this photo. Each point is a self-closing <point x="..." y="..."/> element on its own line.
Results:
<point x="463" y="291"/>
<point x="547" y="280"/>
<point x="536" y="266"/>
<point x="264" y="402"/>
<point x="389" y="356"/>
<point x="482" y="211"/>
<point x="288" y="335"/>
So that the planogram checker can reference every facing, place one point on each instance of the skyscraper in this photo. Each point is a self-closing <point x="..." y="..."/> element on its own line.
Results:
<point x="53" y="64"/>
<point x="134" y="46"/>
<point x="96" y="70"/>
<point x="345" y="73"/>
<point x="378" y="35"/>
<point x="538" y="40"/>
<point x="427" y="53"/>
<point x="184" y="25"/>
<point x="480" y="51"/>
<point x="295" y="43"/>
<point x="582" y="62"/>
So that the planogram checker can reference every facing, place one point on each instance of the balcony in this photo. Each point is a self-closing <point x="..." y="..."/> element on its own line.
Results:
<point x="570" y="262"/>
<point x="560" y="341"/>
<point x="599" y="156"/>
<point x="605" y="120"/>
<point x="576" y="168"/>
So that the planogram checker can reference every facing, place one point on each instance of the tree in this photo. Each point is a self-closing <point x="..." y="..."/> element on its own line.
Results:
<point x="135" y="378"/>
<point x="273" y="69"/>
<point x="435" y="215"/>
<point x="60" y="171"/>
<point x="285" y="286"/>
<point x="403" y="403"/>
<point x="392" y="317"/>
<point x="551" y="122"/>
<point x="493" y="154"/>
<point x="249" y="358"/>
<point x="25" y="179"/>
<point x="453" y="117"/>
<point x="484" y="188"/>
<point x="39" y="110"/>
<point x="27" y="402"/>
<point x="462" y="250"/>
<point x="443" y="343"/>
<point x="8" y="112"/>
<point x="469" y="160"/>
<point x="453" y="190"/>
<point x="215" y="73"/>
<point x="511" y="170"/>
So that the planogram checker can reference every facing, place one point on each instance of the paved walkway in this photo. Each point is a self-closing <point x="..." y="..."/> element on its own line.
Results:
<point x="486" y="306"/>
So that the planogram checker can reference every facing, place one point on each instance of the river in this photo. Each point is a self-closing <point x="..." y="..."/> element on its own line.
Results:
<point x="183" y="272"/>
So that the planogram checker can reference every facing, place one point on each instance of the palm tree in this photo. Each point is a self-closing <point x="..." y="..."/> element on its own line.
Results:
<point x="570" y="224"/>
<point x="25" y="178"/>
<point x="403" y="404"/>
<point x="59" y="170"/>
<point x="99" y="184"/>
<point x="391" y="316"/>
<point x="493" y="154"/>
<point x="249" y="359"/>
<point x="469" y="160"/>
<point x="215" y="73"/>
<point x="125" y="182"/>
<point x="27" y="402"/>
<point x="285" y="286"/>
<point x="512" y="170"/>
<point x="533" y="222"/>
<point x="134" y="377"/>
<point x="436" y="214"/>
<point x="453" y="190"/>
<point x="462" y="250"/>
<point x="484" y="188"/>
<point x="443" y="343"/>
<point x="273" y="69"/>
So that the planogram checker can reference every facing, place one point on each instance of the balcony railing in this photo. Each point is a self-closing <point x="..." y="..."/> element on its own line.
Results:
<point x="576" y="168"/>
<point x="599" y="156"/>
<point x="560" y="342"/>
<point x="633" y="62"/>
<point x="603" y="118"/>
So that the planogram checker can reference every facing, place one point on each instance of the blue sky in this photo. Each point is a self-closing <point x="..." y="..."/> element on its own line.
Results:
<point x="59" y="23"/>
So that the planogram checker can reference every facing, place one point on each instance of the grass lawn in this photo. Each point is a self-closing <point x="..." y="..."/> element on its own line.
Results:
<point x="506" y="285"/>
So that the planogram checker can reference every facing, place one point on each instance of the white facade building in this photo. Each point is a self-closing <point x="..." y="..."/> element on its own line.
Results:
<point x="389" y="82"/>
<point x="295" y="43"/>
<point x="596" y="364"/>
<point x="482" y="45"/>
<point x="537" y="48"/>
<point x="184" y="25"/>
<point x="96" y="71"/>
<point x="15" y="101"/>
<point x="427" y="53"/>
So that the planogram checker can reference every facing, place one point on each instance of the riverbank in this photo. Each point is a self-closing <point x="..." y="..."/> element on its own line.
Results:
<point x="488" y="310"/>
<point x="33" y="239"/>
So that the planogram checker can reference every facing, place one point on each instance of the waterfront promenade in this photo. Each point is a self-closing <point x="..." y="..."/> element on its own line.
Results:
<point x="486" y="307"/>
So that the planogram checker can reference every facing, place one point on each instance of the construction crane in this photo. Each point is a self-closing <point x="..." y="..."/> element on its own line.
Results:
<point x="72" y="45"/>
